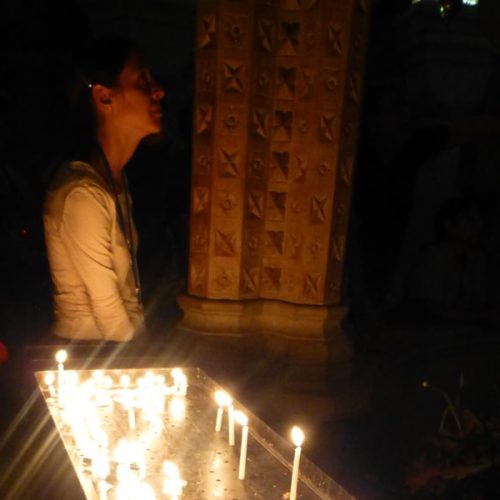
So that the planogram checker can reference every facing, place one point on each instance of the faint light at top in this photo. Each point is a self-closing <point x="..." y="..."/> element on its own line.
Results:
<point x="465" y="2"/>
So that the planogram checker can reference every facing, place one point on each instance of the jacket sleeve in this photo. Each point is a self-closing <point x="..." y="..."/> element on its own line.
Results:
<point x="86" y="232"/>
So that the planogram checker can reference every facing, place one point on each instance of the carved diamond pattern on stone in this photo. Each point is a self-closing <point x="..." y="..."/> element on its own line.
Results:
<point x="234" y="31"/>
<point x="285" y="82"/>
<point x="207" y="78"/>
<point x="331" y="81"/>
<point x="265" y="34"/>
<point x="255" y="202"/>
<point x="311" y="285"/>
<point x="233" y="76"/>
<point x="229" y="163"/>
<point x="318" y="208"/>
<point x="277" y="205"/>
<point x="324" y="167"/>
<point x="203" y="118"/>
<point x="289" y="38"/>
<point x="307" y="83"/>
<point x="300" y="167"/>
<point x="326" y="126"/>
<point x="294" y="245"/>
<point x="346" y="171"/>
<point x="338" y="248"/>
<point x="334" y="39"/>
<point x="200" y="200"/>
<point x="271" y="279"/>
<point x="224" y="279"/>
<point x="207" y="31"/>
<point x="283" y="122"/>
<point x="202" y="165"/>
<point x="231" y="120"/>
<point x="251" y="244"/>
<point x="280" y="166"/>
<point x="227" y="202"/>
<point x="262" y="81"/>
<point x="198" y="277"/>
<point x="257" y="166"/>
<point x="316" y="246"/>
<point x="225" y="243"/>
<point x="250" y="282"/>
<point x="354" y="89"/>
<point x="274" y="242"/>
<point x="260" y="119"/>
<point x="200" y="242"/>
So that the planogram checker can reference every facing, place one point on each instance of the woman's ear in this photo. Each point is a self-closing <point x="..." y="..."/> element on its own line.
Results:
<point x="102" y="97"/>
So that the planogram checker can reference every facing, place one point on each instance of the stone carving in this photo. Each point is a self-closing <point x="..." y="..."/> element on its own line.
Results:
<point x="331" y="81"/>
<point x="226" y="201"/>
<point x="334" y="39"/>
<point x="324" y="167"/>
<point x="311" y="286"/>
<point x="229" y="163"/>
<point x="200" y="200"/>
<point x="285" y="82"/>
<point x="316" y="246"/>
<point x="297" y="205"/>
<point x="271" y="279"/>
<point x="283" y="122"/>
<point x="235" y="33"/>
<point x="260" y="120"/>
<point x="262" y="81"/>
<point x="224" y="279"/>
<point x="289" y="38"/>
<point x="274" y="242"/>
<point x="294" y="245"/>
<point x="206" y="36"/>
<point x="255" y="204"/>
<point x="203" y="118"/>
<point x="318" y="208"/>
<point x="233" y="76"/>
<point x="279" y="166"/>
<point x="307" y="83"/>
<point x="299" y="168"/>
<point x="326" y="126"/>
<point x="225" y="243"/>
<point x="202" y="165"/>
<point x="346" y="171"/>
<point x="206" y="78"/>
<point x="231" y="120"/>
<point x="337" y="251"/>
<point x="257" y="166"/>
<point x="198" y="277"/>
<point x="276" y="206"/>
<point x="252" y="243"/>
<point x="199" y="241"/>
<point x="265" y="34"/>
<point x="250" y="280"/>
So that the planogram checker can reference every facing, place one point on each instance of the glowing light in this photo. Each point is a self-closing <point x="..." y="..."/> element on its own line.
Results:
<point x="297" y="436"/>
<point x="61" y="356"/>
<point x="298" y="439"/>
<point x="125" y="380"/>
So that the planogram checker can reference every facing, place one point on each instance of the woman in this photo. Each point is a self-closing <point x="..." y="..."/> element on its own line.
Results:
<point x="90" y="236"/>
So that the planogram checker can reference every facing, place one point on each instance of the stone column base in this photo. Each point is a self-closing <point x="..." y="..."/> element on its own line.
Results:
<point x="306" y="342"/>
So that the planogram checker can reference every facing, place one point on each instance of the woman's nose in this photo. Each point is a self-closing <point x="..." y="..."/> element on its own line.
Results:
<point x="157" y="92"/>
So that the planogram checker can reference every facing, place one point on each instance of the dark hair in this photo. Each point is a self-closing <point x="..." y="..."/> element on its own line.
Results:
<point x="98" y="62"/>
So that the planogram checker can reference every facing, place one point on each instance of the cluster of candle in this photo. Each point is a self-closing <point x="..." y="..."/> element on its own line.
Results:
<point x="83" y="406"/>
<point x="225" y="403"/>
<point x="142" y="402"/>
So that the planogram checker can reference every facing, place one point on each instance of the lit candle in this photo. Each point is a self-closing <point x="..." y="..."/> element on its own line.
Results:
<point x="242" y="419"/>
<point x="230" y="414"/>
<point x="180" y="382"/>
<point x="49" y="380"/>
<point x="298" y="439"/>
<point x="61" y="357"/>
<point x="131" y="417"/>
<point x="223" y="399"/>
<point x="172" y="484"/>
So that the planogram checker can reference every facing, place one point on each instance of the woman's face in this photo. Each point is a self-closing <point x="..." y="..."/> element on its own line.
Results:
<point x="137" y="100"/>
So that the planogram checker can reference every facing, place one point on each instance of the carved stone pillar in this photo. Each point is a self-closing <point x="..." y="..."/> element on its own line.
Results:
<point x="278" y="89"/>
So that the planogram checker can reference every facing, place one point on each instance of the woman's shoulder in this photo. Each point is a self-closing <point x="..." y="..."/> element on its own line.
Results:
<point x="77" y="174"/>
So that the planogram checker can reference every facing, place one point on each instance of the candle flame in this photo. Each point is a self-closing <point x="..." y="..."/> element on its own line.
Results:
<point x="171" y="470"/>
<point x="125" y="380"/>
<point x="223" y="398"/>
<point x="61" y="356"/>
<point x="240" y="417"/>
<point x="297" y="436"/>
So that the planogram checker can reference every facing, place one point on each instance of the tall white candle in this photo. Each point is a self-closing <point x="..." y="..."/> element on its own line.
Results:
<point x="298" y="439"/>
<point x="131" y="417"/>
<point x="242" y="419"/>
<point x="223" y="399"/>
<point x="230" y="412"/>
<point x="218" y="420"/>
<point x="49" y="380"/>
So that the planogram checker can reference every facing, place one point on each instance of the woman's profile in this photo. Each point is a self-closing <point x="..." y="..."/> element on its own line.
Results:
<point x="89" y="231"/>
